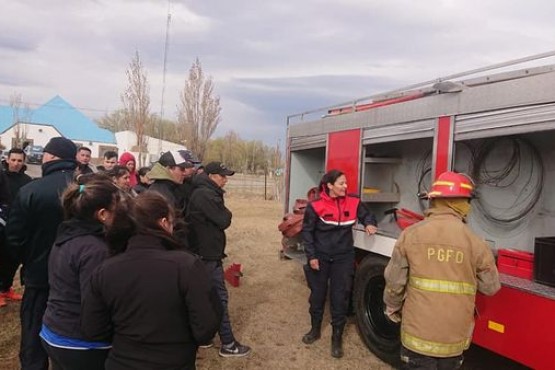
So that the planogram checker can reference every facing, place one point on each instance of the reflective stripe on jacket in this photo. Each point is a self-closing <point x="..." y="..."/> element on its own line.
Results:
<point x="327" y="225"/>
<point x="435" y="270"/>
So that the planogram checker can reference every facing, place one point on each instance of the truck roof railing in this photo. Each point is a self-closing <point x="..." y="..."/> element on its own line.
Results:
<point x="441" y="84"/>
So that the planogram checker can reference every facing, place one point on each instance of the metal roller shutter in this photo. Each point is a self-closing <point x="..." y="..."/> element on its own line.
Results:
<point x="308" y="142"/>
<point x="399" y="131"/>
<point x="505" y="122"/>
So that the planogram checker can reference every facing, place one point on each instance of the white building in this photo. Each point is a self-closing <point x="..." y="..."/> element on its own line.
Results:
<point x="59" y="118"/>
<point x="127" y="142"/>
<point x="55" y="118"/>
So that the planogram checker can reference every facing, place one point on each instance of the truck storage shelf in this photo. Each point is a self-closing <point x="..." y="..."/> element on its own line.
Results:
<point x="389" y="160"/>
<point x="381" y="197"/>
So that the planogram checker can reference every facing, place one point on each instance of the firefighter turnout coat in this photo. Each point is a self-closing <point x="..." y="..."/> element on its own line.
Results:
<point x="436" y="268"/>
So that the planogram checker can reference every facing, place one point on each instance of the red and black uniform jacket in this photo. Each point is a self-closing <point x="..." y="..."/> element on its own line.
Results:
<point x="327" y="225"/>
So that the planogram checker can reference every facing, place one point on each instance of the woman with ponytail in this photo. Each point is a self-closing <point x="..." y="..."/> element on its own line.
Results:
<point x="154" y="301"/>
<point x="329" y="247"/>
<point x="89" y="207"/>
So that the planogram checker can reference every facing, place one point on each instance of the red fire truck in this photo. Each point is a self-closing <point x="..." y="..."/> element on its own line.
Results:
<point x="496" y="124"/>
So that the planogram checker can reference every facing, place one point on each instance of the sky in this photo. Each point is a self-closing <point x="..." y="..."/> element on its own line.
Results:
<point x="268" y="59"/>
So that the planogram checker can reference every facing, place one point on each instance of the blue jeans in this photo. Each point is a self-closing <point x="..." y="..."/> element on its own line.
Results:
<point x="216" y="270"/>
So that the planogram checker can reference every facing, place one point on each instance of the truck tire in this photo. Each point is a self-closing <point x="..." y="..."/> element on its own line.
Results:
<point x="379" y="334"/>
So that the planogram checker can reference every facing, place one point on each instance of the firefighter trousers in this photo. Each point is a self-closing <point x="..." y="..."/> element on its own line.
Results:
<point x="337" y="272"/>
<point x="414" y="361"/>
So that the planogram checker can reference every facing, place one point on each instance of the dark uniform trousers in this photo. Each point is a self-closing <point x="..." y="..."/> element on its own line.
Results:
<point x="415" y="361"/>
<point x="69" y="359"/>
<point x="339" y="272"/>
<point x="8" y="267"/>
<point x="32" y="354"/>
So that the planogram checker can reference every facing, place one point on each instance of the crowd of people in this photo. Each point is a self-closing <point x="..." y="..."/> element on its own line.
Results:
<point x="122" y="267"/>
<point x="125" y="271"/>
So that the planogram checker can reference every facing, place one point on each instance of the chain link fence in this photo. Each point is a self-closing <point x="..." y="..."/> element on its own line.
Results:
<point x="269" y="187"/>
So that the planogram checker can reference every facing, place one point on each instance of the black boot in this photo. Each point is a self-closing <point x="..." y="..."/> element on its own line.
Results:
<point x="337" y="341"/>
<point x="314" y="334"/>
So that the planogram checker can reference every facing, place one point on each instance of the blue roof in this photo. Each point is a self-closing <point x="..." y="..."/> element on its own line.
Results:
<point x="6" y="118"/>
<point x="58" y="113"/>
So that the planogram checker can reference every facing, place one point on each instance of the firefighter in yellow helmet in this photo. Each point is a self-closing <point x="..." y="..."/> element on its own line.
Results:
<point x="435" y="270"/>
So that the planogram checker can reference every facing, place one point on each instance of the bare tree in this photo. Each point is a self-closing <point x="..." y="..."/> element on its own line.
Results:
<point x="279" y="178"/>
<point x="20" y="128"/>
<point x="114" y="121"/>
<point x="136" y="103"/>
<point x="199" y="112"/>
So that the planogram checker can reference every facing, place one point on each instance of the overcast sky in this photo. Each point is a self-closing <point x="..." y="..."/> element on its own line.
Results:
<point x="268" y="58"/>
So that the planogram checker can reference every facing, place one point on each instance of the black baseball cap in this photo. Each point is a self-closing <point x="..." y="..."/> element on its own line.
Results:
<point x="218" y="168"/>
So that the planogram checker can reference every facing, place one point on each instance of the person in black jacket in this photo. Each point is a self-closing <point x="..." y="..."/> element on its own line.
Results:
<point x="328" y="241"/>
<point x="83" y="158"/>
<point x="110" y="159"/>
<point x="187" y="187"/>
<point x="15" y="171"/>
<point x="4" y="189"/>
<point x="34" y="217"/>
<point x="80" y="247"/>
<point x="143" y="182"/>
<point x="5" y="258"/>
<point x="167" y="177"/>
<point x="16" y="178"/>
<point x="208" y="218"/>
<point x="121" y="177"/>
<point x="153" y="301"/>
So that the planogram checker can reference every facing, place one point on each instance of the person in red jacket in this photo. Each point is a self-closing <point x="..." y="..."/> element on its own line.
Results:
<point x="329" y="247"/>
<point x="128" y="160"/>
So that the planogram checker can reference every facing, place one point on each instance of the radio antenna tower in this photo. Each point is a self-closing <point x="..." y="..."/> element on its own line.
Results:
<point x="166" y="47"/>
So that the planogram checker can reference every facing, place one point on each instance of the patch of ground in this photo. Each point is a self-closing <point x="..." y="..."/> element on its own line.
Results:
<point x="269" y="311"/>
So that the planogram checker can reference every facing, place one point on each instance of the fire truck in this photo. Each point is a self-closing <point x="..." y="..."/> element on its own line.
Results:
<point x="496" y="124"/>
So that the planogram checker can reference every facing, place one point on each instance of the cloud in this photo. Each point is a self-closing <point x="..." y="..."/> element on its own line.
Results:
<point x="268" y="59"/>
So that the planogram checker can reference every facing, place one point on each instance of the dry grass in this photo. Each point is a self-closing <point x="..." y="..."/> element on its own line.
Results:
<point x="269" y="311"/>
<point x="9" y="336"/>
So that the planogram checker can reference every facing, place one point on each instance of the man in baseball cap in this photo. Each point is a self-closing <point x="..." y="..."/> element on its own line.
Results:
<point x="168" y="173"/>
<point x="186" y="188"/>
<point x="167" y="177"/>
<point x="174" y="158"/>
<point x="218" y="168"/>
<point x="209" y="218"/>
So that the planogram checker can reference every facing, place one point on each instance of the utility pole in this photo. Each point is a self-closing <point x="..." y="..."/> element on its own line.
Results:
<point x="166" y="47"/>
